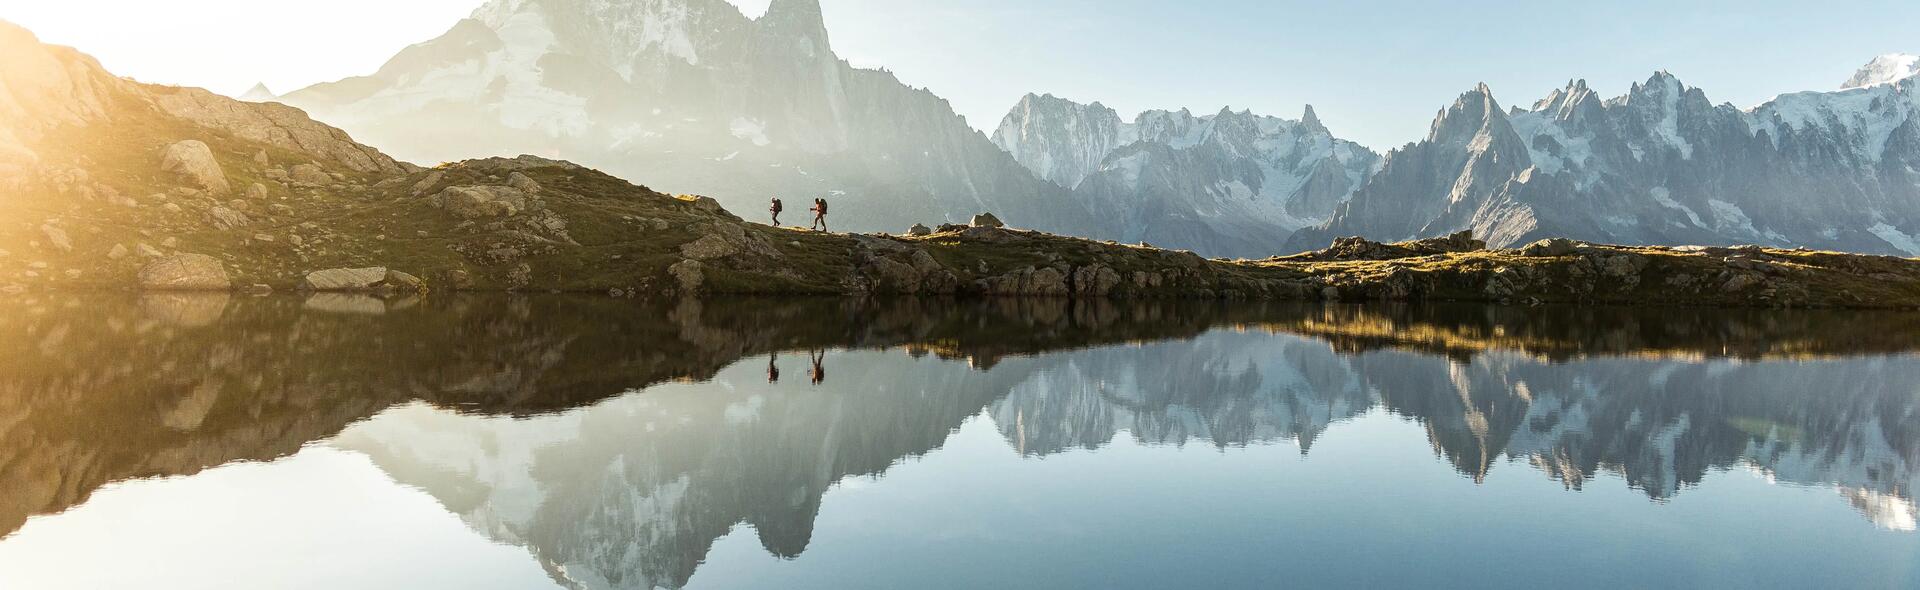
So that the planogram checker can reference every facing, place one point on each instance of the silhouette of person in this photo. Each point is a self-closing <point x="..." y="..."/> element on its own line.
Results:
<point x="776" y="209"/>
<point x="773" y="370"/>
<point x="819" y="372"/>
<point x="820" y="214"/>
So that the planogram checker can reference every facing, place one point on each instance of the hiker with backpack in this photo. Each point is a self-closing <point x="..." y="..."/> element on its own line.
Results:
<point x="776" y="209"/>
<point x="820" y="214"/>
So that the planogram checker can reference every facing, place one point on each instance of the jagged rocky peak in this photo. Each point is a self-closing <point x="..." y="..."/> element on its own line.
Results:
<point x="1885" y="69"/>
<point x="1311" y="121"/>
<point x="1060" y="140"/>
<point x="1474" y="114"/>
<point x="802" y="17"/>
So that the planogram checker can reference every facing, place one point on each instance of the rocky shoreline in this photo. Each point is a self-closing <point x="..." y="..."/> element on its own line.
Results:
<point x="536" y="225"/>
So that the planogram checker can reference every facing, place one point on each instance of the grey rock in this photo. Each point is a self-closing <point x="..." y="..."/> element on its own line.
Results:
<point x="309" y="174"/>
<point x="427" y="184"/>
<point x="344" y="279"/>
<point x="688" y="275"/>
<point x="986" y="220"/>
<point x="192" y="272"/>
<point x="919" y="230"/>
<point x="194" y="161"/>
<point x="523" y="182"/>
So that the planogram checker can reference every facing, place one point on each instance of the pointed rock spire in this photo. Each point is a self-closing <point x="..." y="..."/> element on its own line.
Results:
<point x="1311" y="121"/>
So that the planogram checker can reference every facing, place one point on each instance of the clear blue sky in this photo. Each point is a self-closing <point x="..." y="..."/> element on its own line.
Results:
<point x="1375" y="71"/>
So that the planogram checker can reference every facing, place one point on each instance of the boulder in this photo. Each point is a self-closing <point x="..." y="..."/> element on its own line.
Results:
<point x="309" y="174"/>
<point x="119" y="251"/>
<point x="524" y="183"/>
<point x="949" y="227"/>
<point x="57" y="237"/>
<point x="260" y="158"/>
<point x="225" y="218"/>
<point x="345" y="279"/>
<point x="185" y="272"/>
<point x="719" y="242"/>
<point x="986" y="220"/>
<point x="919" y="230"/>
<point x="257" y="192"/>
<point x="477" y="202"/>
<point x="194" y="161"/>
<point x="426" y="184"/>
<point x="707" y="204"/>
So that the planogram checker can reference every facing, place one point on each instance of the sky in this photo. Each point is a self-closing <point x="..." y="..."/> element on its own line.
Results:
<point x="1375" y="71"/>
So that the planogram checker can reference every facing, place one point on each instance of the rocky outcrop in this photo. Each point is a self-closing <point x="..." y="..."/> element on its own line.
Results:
<point x="1358" y="248"/>
<point x="185" y="272"/>
<point x="194" y="162"/>
<point x="479" y="202"/>
<point x="273" y="124"/>
<point x="986" y="220"/>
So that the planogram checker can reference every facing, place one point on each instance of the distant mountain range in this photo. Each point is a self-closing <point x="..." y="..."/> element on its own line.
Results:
<point x="1660" y="165"/>
<point x="694" y="96"/>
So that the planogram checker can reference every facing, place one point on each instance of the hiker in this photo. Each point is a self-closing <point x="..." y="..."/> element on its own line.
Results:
<point x="776" y="209"/>
<point x="820" y="214"/>
<point x="773" y="370"/>
<point x="819" y="372"/>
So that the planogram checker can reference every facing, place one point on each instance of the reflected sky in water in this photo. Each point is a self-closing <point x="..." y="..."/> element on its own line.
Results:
<point x="496" y="442"/>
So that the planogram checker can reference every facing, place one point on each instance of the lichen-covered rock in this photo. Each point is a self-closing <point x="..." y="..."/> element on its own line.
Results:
<point x="986" y="220"/>
<point x="194" y="162"/>
<point x="185" y="272"/>
<point x="344" y="279"/>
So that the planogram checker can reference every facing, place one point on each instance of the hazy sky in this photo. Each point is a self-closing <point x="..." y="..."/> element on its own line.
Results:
<point x="1376" y="71"/>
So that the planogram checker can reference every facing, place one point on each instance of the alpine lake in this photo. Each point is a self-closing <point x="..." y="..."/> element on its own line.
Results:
<point x="555" y="441"/>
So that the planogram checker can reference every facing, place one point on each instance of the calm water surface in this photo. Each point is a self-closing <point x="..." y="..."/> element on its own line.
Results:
<point x="543" y="442"/>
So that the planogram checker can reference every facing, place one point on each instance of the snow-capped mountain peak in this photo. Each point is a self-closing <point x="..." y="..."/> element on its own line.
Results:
<point x="1885" y="69"/>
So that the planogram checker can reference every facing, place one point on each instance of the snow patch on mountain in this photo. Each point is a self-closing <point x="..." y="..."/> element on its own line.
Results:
<point x="1898" y="239"/>
<point x="1885" y="69"/>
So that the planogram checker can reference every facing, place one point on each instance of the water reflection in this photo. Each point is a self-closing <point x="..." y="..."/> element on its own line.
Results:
<point x="552" y="422"/>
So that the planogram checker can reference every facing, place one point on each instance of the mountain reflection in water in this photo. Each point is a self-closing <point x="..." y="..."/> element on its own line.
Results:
<point x="554" y="423"/>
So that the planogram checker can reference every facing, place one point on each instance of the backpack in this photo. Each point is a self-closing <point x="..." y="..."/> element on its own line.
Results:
<point x="779" y="206"/>
<point x="823" y="206"/>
